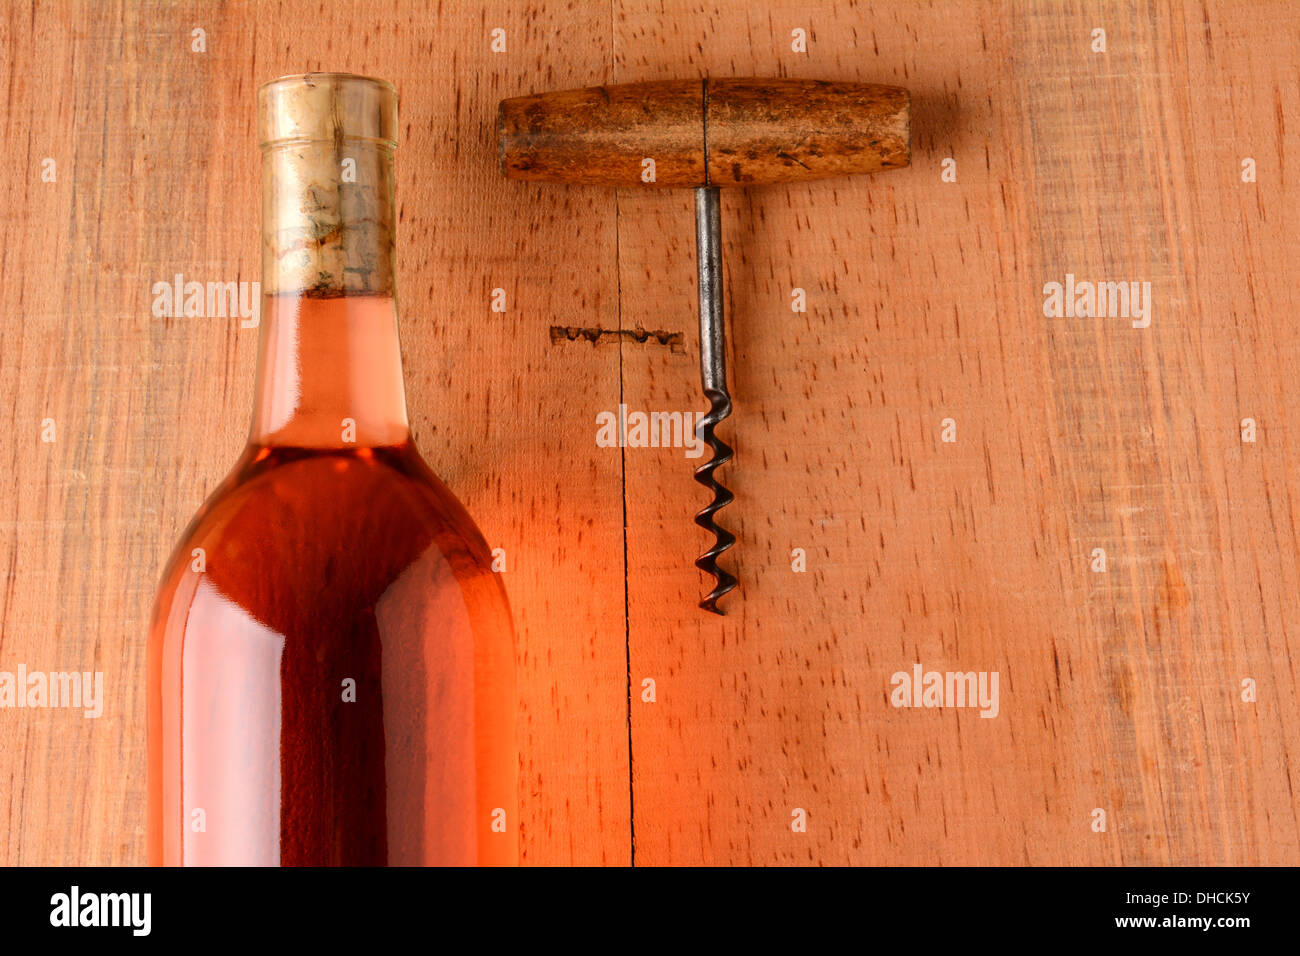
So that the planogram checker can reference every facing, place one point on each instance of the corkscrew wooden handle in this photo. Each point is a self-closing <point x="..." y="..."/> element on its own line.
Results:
<point x="710" y="132"/>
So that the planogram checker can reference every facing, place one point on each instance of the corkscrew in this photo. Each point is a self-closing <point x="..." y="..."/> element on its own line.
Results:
<point x="705" y="134"/>
<point x="713" y="373"/>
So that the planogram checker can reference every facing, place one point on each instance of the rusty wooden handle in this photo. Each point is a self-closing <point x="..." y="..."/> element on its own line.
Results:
<point x="710" y="132"/>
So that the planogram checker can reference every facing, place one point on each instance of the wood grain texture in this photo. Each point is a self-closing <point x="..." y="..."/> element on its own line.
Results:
<point x="786" y="130"/>
<point x="601" y="135"/>
<point x="159" y="173"/>
<point x="704" y="132"/>
<point x="1119" y="690"/>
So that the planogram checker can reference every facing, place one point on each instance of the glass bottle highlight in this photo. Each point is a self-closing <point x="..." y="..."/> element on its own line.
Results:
<point x="331" y="659"/>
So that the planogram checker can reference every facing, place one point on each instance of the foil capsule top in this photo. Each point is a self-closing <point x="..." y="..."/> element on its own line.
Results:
<point x="328" y="220"/>
<point x="326" y="106"/>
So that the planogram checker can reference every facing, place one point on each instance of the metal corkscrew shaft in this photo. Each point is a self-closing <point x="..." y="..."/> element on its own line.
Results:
<point x="702" y="134"/>
<point x="713" y="373"/>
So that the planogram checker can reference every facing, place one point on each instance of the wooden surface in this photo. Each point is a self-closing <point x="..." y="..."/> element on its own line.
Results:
<point x="1120" y="691"/>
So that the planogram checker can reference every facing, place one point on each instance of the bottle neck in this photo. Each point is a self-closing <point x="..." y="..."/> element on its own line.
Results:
<point x="329" y="361"/>
<point x="329" y="373"/>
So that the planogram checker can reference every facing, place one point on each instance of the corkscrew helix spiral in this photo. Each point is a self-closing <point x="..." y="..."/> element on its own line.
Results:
<point x="713" y="371"/>
<point x="720" y="408"/>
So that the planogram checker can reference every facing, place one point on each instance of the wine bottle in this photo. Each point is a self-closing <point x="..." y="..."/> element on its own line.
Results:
<point x="331" y="658"/>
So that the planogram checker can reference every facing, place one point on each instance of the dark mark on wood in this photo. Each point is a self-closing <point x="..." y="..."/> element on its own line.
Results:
<point x="572" y="333"/>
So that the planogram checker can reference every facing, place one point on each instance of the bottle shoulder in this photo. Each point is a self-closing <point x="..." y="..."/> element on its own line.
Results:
<point x="344" y="493"/>
<point x="341" y="525"/>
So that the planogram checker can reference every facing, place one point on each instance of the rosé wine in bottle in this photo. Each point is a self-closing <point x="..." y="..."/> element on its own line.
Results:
<point x="331" y="658"/>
